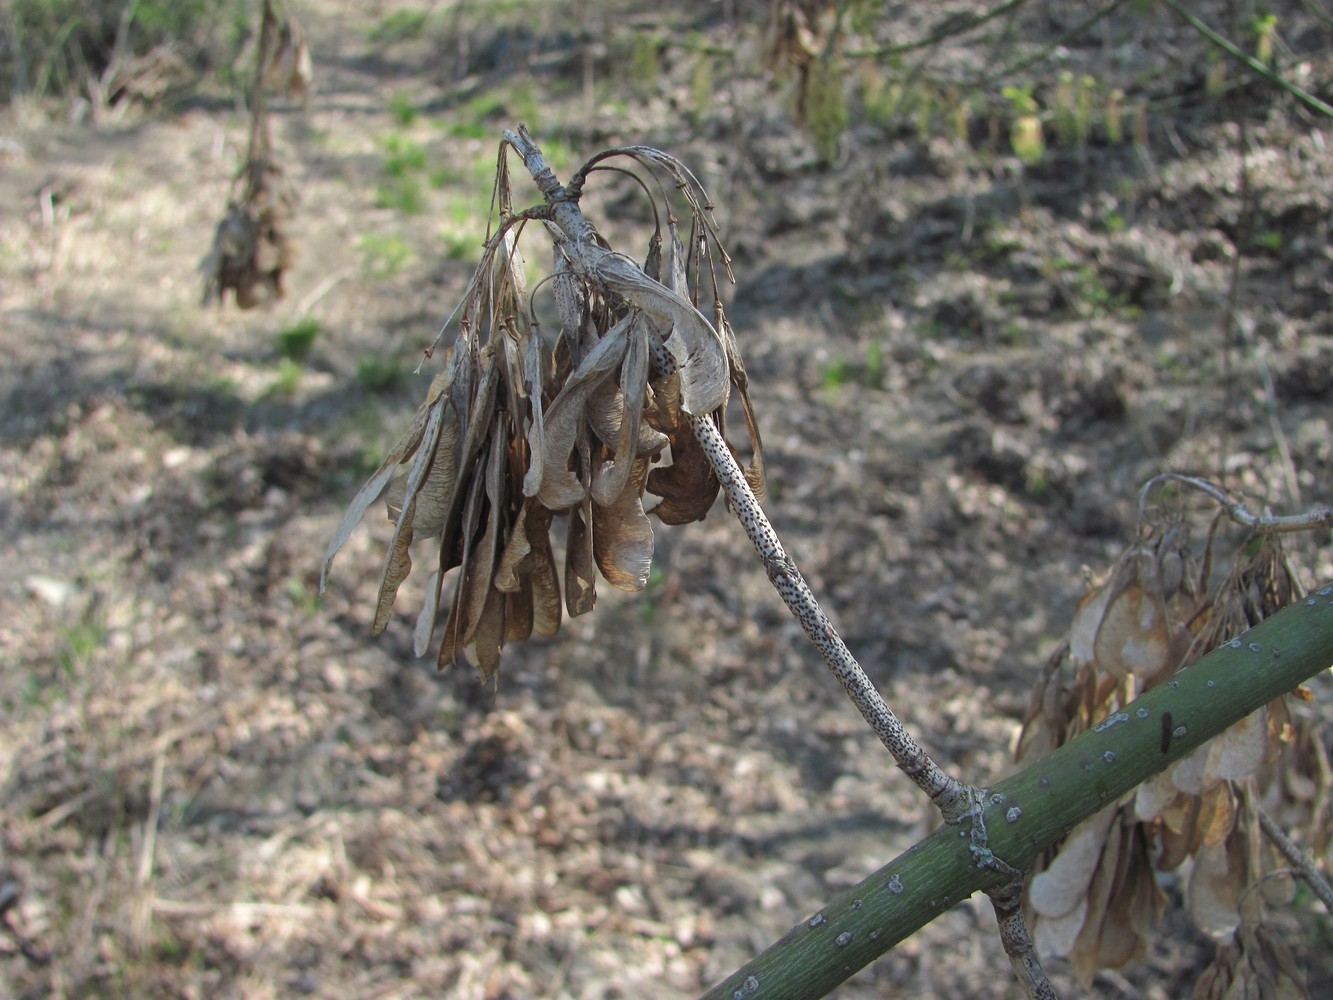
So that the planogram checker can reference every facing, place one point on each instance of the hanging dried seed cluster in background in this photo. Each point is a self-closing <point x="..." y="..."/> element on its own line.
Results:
<point x="285" y="64"/>
<point x="516" y="431"/>
<point x="1095" y="899"/>
<point x="251" y="247"/>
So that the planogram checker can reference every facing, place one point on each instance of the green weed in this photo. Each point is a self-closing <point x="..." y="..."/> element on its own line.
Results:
<point x="835" y="375"/>
<point x="868" y="372"/>
<point x="652" y="594"/>
<point x="1073" y="108"/>
<point x="881" y="100"/>
<point x="288" y="379"/>
<point x="468" y="130"/>
<point x="402" y="110"/>
<point x="645" y="64"/>
<point x="78" y="642"/>
<point x="400" y="26"/>
<point x="405" y="176"/>
<point x="826" y="113"/>
<point x="1036" y="484"/>
<point x="1270" y="240"/>
<point x="385" y="256"/>
<point x="1264" y="28"/>
<point x="1087" y="285"/>
<point x="1215" y="81"/>
<point x="1025" y="132"/>
<point x="701" y="88"/>
<point x="380" y="374"/>
<point x="303" y="598"/>
<point x="295" y="342"/>
<point x="1113" y="117"/>
<point x="403" y="194"/>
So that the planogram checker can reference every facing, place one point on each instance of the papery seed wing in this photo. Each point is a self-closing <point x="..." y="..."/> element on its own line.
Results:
<point x="488" y="636"/>
<point x="1217" y="814"/>
<point x="1064" y="883"/>
<point x="473" y="391"/>
<point x="693" y="343"/>
<point x="1216" y="883"/>
<point x="1154" y="795"/>
<point x="1133" y="904"/>
<point x="1238" y="752"/>
<point x="481" y="570"/>
<point x="677" y="263"/>
<point x="652" y="264"/>
<point x="515" y="270"/>
<point x="1178" y="832"/>
<point x="606" y="417"/>
<point x="1088" y="619"/>
<point x="754" y="472"/>
<point x="526" y="575"/>
<point x="539" y="569"/>
<point x="518" y="612"/>
<point x="513" y="361"/>
<point x="396" y="568"/>
<point x="580" y="568"/>
<point x="559" y="487"/>
<point x="398" y="562"/>
<point x="534" y="372"/>
<point x="1188" y="773"/>
<point x="517" y="553"/>
<point x="610" y="480"/>
<point x="1135" y="634"/>
<point x="622" y="535"/>
<point x="1087" y="949"/>
<point x="688" y="486"/>
<point x="425" y="625"/>
<point x="436" y="491"/>
<point x="464" y="386"/>
<point x="374" y="486"/>
<point x="455" y="630"/>
<point x="570" y="294"/>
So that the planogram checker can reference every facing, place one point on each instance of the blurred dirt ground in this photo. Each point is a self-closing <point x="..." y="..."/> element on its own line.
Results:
<point x="214" y="785"/>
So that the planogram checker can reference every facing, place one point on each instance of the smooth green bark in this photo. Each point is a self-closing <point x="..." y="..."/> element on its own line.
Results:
<point x="1030" y="810"/>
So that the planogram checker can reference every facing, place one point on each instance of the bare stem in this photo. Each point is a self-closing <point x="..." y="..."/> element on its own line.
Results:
<point x="1017" y="942"/>
<point x="1300" y="860"/>
<point x="1264" y="524"/>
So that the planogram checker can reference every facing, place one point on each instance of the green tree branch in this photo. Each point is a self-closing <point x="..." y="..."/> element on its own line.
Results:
<point x="1029" y="811"/>
<point x="1231" y="49"/>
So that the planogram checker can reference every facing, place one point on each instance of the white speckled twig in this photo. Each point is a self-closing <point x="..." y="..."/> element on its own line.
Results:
<point x="954" y="799"/>
<point x="1017" y="942"/>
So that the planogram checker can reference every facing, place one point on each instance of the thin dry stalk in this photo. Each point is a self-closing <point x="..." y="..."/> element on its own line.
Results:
<point x="1262" y="524"/>
<point x="1300" y="860"/>
<point x="142" y="914"/>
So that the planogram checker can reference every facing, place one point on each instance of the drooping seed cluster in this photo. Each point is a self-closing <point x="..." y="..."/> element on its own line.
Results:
<point x="516" y="432"/>
<point x="521" y="429"/>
